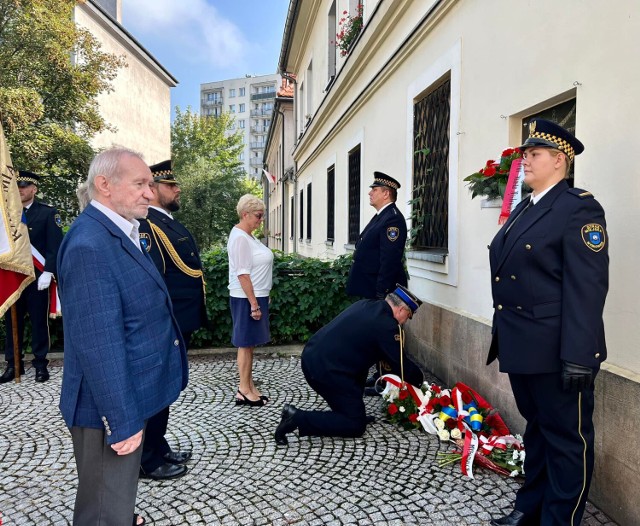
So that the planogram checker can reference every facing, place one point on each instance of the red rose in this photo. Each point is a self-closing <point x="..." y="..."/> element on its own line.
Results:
<point x="403" y="394"/>
<point x="451" y="423"/>
<point x="508" y="152"/>
<point x="466" y="397"/>
<point x="444" y="401"/>
<point x="490" y="162"/>
<point x="436" y="388"/>
<point x="413" y="417"/>
<point x="393" y="409"/>
<point x="489" y="171"/>
<point x="430" y="405"/>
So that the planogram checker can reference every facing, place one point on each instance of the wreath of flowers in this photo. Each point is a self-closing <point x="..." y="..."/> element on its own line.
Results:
<point x="491" y="180"/>
<point x="458" y="415"/>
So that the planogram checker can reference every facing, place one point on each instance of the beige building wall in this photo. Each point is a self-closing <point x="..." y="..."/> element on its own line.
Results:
<point x="139" y="107"/>
<point x="506" y="60"/>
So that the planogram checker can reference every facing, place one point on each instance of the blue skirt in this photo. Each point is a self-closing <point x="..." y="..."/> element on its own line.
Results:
<point x="248" y="332"/>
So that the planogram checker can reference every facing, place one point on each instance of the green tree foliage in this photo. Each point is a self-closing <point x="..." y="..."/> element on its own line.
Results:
<point x="51" y="72"/>
<point x="206" y="162"/>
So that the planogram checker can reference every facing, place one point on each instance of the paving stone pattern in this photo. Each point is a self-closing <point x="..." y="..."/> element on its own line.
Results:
<point x="238" y="475"/>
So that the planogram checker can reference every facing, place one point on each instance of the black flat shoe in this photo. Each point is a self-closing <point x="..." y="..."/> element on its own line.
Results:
<point x="516" y="518"/>
<point x="42" y="374"/>
<point x="177" y="457"/>
<point x="251" y="403"/>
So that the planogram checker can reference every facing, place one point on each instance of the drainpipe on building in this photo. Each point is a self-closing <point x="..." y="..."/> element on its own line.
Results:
<point x="284" y="203"/>
<point x="266" y="206"/>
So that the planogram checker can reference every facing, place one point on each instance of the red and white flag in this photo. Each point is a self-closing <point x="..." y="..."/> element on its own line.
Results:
<point x="16" y="264"/>
<point x="270" y="178"/>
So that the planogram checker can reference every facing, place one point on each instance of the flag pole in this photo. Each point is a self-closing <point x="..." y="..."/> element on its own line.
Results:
<point x="16" y="351"/>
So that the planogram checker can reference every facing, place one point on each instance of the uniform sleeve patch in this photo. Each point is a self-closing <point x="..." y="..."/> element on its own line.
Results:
<point x="594" y="236"/>
<point x="145" y="241"/>
<point x="58" y="220"/>
<point x="393" y="233"/>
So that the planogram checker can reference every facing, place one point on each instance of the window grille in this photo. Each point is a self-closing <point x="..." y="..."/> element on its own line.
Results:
<point x="331" y="203"/>
<point x="430" y="213"/>
<point x="354" y="194"/>
<point x="309" y="212"/>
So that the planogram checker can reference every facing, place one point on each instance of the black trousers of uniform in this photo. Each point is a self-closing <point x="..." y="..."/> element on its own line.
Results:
<point x="559" y="443"/>
<point x="35" y="303"/>
<point x="107" y="482"/>
<point x="155" y="445"/>
<point x="348" y="416"/>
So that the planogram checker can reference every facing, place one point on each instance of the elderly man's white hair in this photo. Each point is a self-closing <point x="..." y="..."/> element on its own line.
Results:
<point x="107" y="163"/>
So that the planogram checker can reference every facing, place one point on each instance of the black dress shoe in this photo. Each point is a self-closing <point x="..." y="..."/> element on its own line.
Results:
<point x="164" y="472"/>
<point x="10" y="373"/>
<point x="177" y="457"/>
<point x="286" y="425"/>
<point x="515" y="518"/>
<point x="42" y="374"/>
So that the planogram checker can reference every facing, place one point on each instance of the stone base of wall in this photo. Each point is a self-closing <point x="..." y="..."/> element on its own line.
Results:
<point x="454" y="346"/>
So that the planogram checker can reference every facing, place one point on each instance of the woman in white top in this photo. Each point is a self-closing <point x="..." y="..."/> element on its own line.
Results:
<point x="250" y="280"/>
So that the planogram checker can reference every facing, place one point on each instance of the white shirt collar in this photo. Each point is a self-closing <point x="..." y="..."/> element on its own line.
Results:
<point x="537" y="197"/>
<point x="128" y="227"/>
<point x="385" y="206"/>
<point x="161" y="210"/>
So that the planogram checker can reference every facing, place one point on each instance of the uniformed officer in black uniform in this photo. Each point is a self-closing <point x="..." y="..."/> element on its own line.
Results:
<point x="175" y="254"/>
<point x="337" y="358"/>
<point x="45" y="235"/>
<point x="549" y="273"/>
<point x="378" y="259"/>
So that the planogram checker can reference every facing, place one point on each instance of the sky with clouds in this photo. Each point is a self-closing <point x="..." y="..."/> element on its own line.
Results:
<point x="201" y="41"/>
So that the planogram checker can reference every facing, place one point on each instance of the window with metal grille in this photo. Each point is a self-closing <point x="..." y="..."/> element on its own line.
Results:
<point x="430" y="202"/>
<point x="309" y="212"/>
<point x="301" y="214"/>
<point x="331" y="202"/>
<point x="563" y="114"/>
<point x="354" y="194"/>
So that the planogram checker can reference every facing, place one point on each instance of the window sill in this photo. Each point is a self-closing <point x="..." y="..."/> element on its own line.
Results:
<point x="329" y="242"/>
<point x="433" y="256"/>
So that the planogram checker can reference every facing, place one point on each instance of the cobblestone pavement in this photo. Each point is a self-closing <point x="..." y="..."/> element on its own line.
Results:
<point x="238" y="475"/>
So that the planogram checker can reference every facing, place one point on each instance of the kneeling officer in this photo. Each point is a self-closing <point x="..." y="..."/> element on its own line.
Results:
<point x="336" y="360"/>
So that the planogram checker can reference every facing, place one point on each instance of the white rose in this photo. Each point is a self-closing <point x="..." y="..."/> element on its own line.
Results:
<point x="401" y="409"/>
<point x="443" y="434"/>
<point x="438" y="423"/>
<point x="456" y="433"/>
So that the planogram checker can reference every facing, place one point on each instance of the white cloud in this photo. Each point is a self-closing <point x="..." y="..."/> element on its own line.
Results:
<point x="195" y="28"/>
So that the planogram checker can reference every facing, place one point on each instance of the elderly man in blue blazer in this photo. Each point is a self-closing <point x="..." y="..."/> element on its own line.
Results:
<point x="125" y="359"/>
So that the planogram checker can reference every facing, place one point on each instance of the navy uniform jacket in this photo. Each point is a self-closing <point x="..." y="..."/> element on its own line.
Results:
<point x="377" y="261"/>
<point x="45" y="232"/>
<point x="359" y="337"/>
<point x="187" y="292"/>
<point x="549" y="281"/>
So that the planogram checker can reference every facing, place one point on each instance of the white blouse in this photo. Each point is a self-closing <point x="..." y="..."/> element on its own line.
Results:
<point x="247" y="255"/>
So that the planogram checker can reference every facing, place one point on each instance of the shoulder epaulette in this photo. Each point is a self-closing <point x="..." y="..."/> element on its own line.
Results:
<point x="578" y="192"/>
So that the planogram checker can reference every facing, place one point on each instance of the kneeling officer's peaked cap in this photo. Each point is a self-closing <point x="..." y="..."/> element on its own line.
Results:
<point x="162" y="173"/>
<point x="551" y="135"/>
<point x="408" y="297"/>
<point x="26" y="178"/>
<point x="382" y="179"/>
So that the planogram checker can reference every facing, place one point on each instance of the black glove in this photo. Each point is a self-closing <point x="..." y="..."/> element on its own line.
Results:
<point x="575" y="377"/>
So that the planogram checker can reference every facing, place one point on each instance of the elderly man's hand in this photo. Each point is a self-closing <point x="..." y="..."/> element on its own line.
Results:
<point x="129" y="445"/>
<point x="44" y="280"/>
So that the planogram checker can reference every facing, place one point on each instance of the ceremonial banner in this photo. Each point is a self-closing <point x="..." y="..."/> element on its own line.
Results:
<point x="16" y="263"/>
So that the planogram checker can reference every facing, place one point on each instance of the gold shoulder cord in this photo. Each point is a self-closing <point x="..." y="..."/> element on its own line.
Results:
<point x="401" y="354"/>
<point x="175" y="257"/>
<point x="155" y="238"/>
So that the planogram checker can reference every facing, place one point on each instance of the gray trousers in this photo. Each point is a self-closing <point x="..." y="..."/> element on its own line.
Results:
<point x="107" y="482"/>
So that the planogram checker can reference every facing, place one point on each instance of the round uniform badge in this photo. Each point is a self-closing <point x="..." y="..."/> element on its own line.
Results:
<point x="58" y="220"/>
<point x="145" y="241"/>
<point x="594" y="236"/>
<point x="393" y="232"/>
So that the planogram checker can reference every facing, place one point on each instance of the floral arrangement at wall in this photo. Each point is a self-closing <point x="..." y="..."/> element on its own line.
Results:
<point x="350" y="27"/>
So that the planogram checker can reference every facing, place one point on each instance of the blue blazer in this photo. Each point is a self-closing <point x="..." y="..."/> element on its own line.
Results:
<point x="124" y="358"/>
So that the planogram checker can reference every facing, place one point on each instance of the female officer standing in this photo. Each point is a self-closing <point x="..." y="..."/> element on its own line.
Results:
<point x="549" y="272"/>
